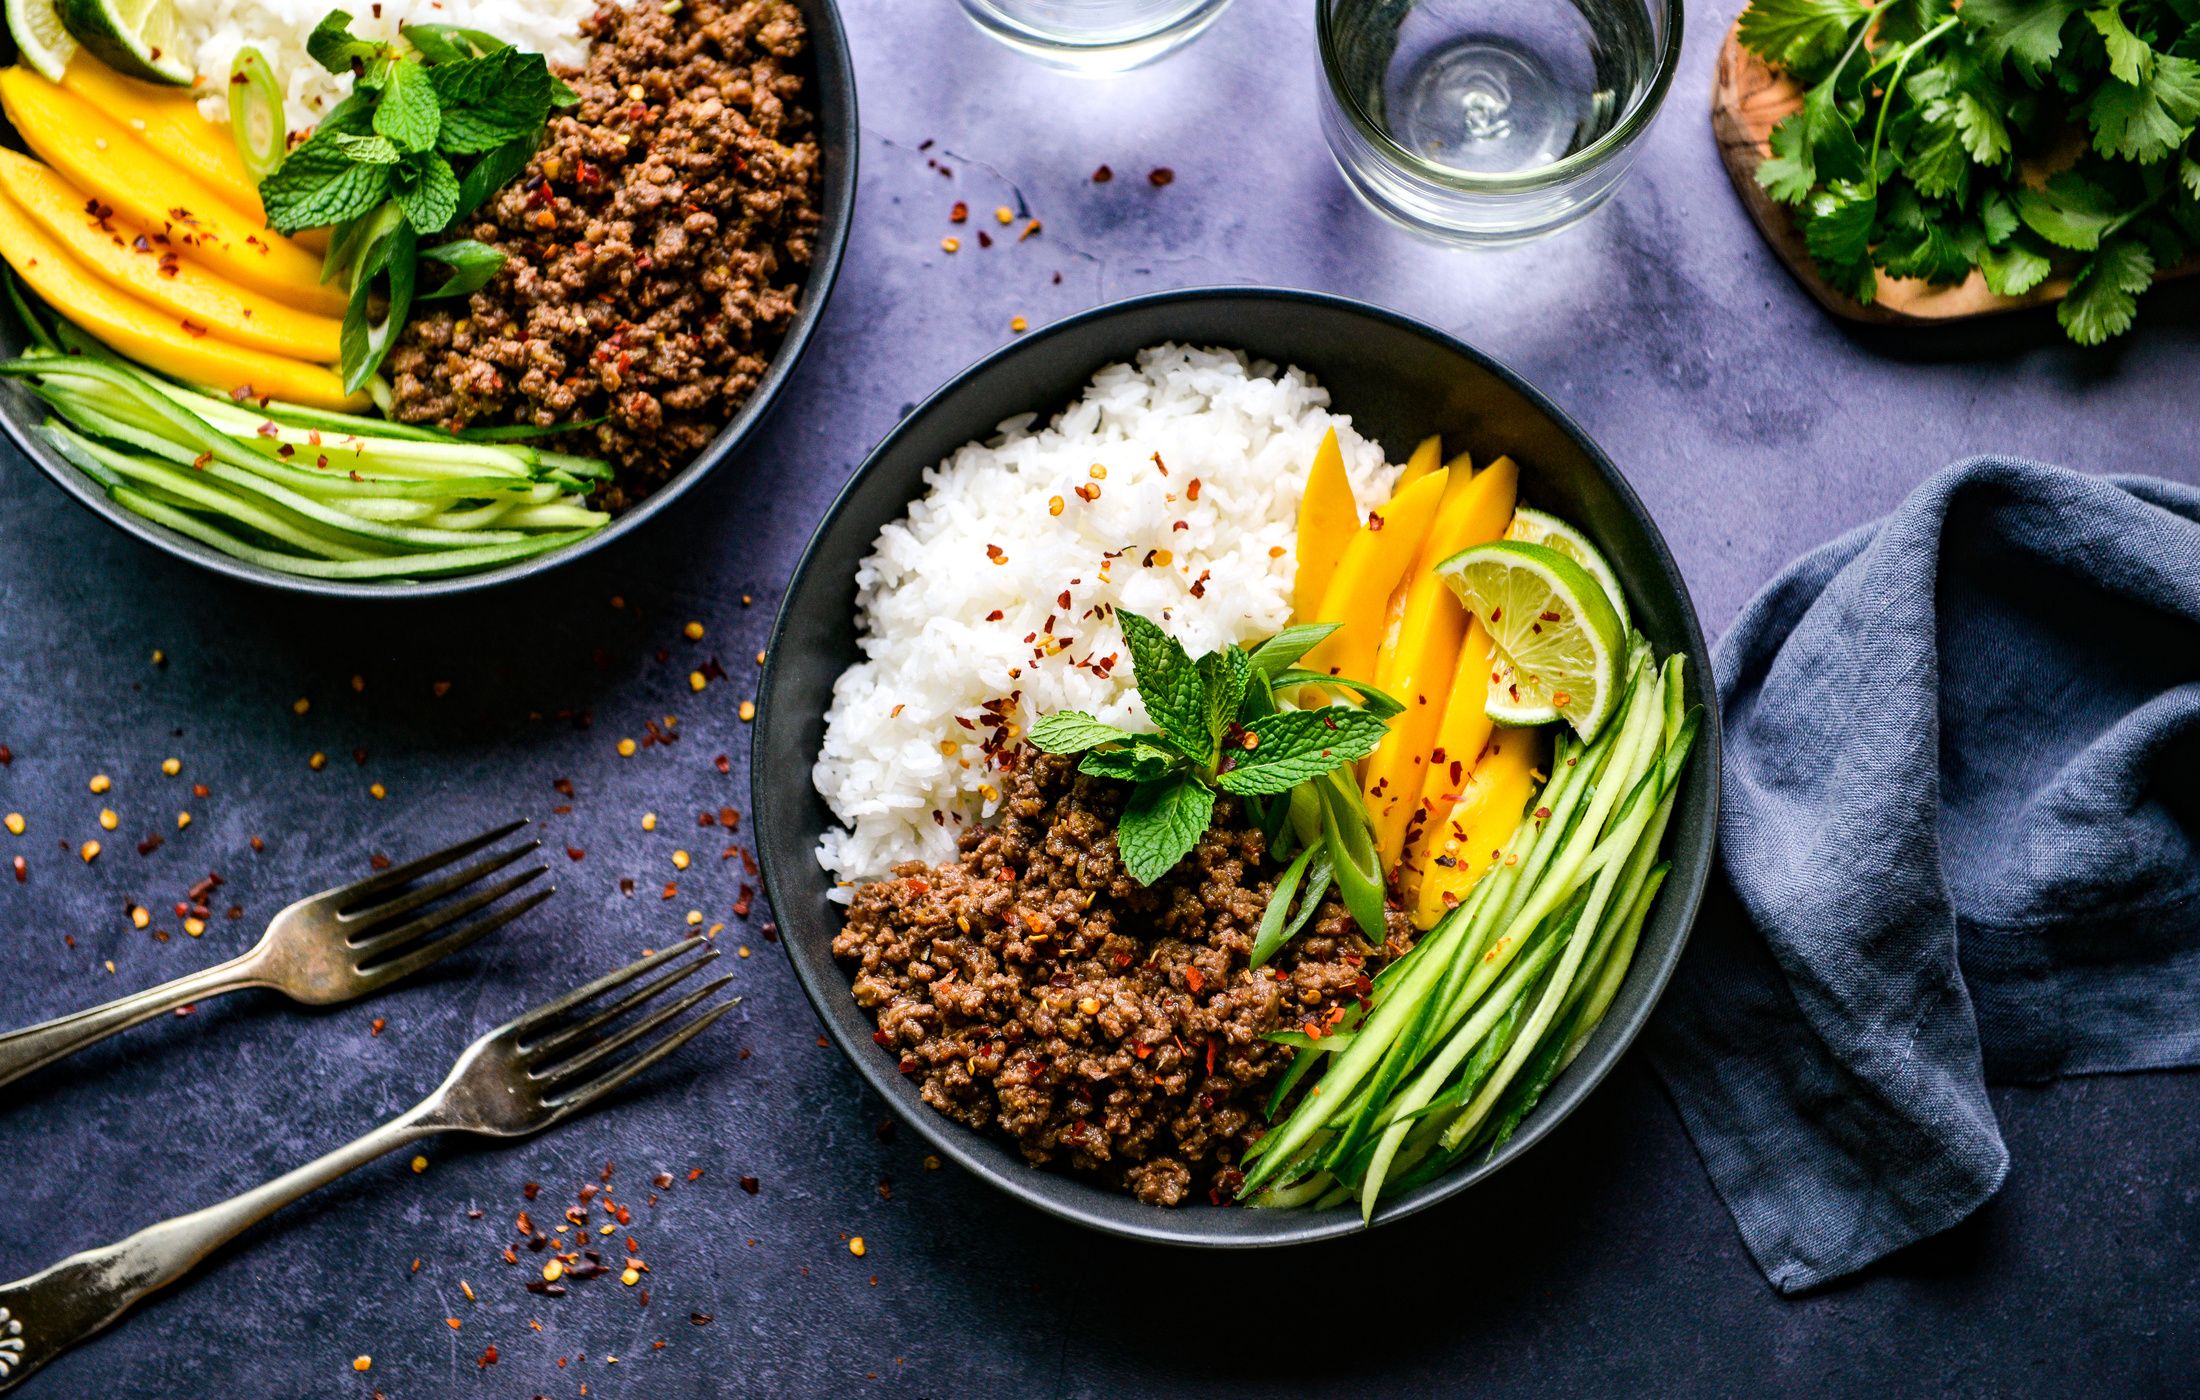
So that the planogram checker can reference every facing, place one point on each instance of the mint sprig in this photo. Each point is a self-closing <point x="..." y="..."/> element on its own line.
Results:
<point x="434" y="126"/>
<point x="1220" y="731"/>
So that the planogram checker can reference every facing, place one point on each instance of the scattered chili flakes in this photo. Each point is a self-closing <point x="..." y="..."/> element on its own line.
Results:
<point x="1102" y="175"/>
<point x="1160" y="176"/>
<point x="374" y="1027"/>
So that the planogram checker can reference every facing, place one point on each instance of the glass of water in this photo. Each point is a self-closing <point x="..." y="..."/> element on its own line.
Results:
<point x="1093" y="36"/>
<point x="1491" y="121"/>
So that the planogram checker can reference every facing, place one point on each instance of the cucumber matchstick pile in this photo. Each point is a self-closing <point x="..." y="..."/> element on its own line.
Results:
<point x="300" y="490"/>
<point x="1465" y="1031"/>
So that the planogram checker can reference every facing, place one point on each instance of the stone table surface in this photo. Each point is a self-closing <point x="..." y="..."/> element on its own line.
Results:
<point x="1603" y="1263"/>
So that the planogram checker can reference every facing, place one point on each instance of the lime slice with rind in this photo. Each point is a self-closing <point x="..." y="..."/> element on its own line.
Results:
<point x="1559" y="642"/>
<point x="40" y="37"/>
<point x="1532" y="526"/>
<point x="136" y="38"/>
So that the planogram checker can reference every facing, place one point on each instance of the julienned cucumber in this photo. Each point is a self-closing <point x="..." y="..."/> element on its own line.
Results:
<point x="1461" y="1035"/>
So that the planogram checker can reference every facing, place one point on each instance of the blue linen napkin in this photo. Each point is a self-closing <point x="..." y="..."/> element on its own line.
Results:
<point x="1962" y="813"/>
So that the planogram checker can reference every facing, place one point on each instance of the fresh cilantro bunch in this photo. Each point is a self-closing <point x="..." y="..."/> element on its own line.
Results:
<point x="430" y="131"/>
<point x="1220" y="731"/>
<point x="1904" y="157"/>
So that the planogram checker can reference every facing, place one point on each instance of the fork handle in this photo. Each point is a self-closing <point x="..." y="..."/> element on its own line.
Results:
<point x="34" y="1047"/>
<point x="49" y="1312"/>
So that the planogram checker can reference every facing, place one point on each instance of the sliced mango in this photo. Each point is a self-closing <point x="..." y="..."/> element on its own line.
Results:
<point x="1327" y="517"/>
<point x="1460" y="739"/>
<point x="121" y="253"/>
<point x="1421" y="650"/>
<point x="96" y="153"/>
<point x="1472" y="837"/>
<point x="1427" y="456"/>
<point x="152" y="336"/>
<point x="1374" y="560"/>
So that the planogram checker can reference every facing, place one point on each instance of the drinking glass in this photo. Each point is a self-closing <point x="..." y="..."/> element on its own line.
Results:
<point x="1093" y="36"/>
<point x="1491" y="121"/>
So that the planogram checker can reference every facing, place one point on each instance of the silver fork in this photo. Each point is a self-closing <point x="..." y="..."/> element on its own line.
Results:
<point x="520" y="1078"/>
<point x="326" y="948"/>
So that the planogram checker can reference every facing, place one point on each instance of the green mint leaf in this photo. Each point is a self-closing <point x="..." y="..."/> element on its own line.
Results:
<point x="562" y="96"/>
<point x="1225" y="674"/>
<point x="409" y="114"/>
<point x="427" y="190"/>
<point x="2105" y="295"/>
<point x="1800" y="33"/>
<point x="1161" y="824"/>
<point x="490" y="100"/>
<point x="472" y="264"/>
<point x="2072" y="212"/>
<point x="2149" y="120"/>
<point x="1073" y="731"/>
<point x="496" y="169"/>
<point x="438" y="43"/>
<point x="2013" y="269"/>
<point x="469" y="130"/>
<point x="1169" y="684"/>
<point x="2026" y="32"/>
<point x="368" y="150"/>
<point x="1282" y="651"/>
<point x="1299" y="745"/>
<point x="1140" y="761"/>
<point x="332" y="46"/>
<point x="320" y="186"/>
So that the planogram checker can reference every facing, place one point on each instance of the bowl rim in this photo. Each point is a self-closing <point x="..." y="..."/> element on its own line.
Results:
<point x="836" y="88"/>
<point x="961" y="1144"/>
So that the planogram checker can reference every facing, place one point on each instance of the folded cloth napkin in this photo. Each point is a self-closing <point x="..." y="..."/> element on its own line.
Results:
<point x="1962" y="814"/>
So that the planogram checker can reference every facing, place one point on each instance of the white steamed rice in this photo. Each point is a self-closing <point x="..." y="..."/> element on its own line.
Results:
<point x="213" y="30"/>
<point x="899" y="767"/>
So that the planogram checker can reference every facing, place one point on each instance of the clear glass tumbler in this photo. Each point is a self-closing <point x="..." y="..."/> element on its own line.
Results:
<point x="1491" y="121"/>
<point x="1093" y="36"/>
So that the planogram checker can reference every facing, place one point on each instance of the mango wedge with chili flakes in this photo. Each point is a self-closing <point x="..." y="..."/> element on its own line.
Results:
<point x="110" y="160"/>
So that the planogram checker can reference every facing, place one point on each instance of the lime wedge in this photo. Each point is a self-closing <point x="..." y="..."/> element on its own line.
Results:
<point x="41" y="37"/>
<point x="136" y="38"/>
<point x="1558" y="641"/>
<point x="1532" y="526"/>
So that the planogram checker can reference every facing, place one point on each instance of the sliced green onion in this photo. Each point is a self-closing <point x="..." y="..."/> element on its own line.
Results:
<point x="256" y="120"/>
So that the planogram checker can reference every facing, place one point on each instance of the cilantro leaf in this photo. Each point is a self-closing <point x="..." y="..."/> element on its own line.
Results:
<point x="1997" y="216"/>
<point x="1815" y="143"/>
<point x="427" y="190"/>
<point x="332" y="46"/>
<point x="1161" y="824"/>
<point x="1838" y="225"/>
<point x="2188" y="175"/>
<point x="1073" y="731"/>
<point x="2129" y="57"/>
<point x="409" y="114"/>
<point x="1297" y="745"/>
<point x="1169" y="684"/>
<point x="2148" y="120"/>
<point x="2013" y="270"/>
<point x="2029" y="32"/>
<point x="2072" y="212"/>
<point x="1800" y="33"/>
<point x="2105" y="294"/>
<point x="320" y="185"/>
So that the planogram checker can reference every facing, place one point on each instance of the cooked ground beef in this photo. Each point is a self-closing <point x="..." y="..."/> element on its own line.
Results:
<point x="655" y="247"/>
<point x="1035" y="991"/>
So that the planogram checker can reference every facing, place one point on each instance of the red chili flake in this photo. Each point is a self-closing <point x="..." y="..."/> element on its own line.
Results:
<point x="993" y="616"/>
<point x="563" y="786"/>
<point x="701" y="1319"/>
<point x="489" y="1357"/>
<point x="744" y="903"/>
<point x="725" y="765"/>
<point x="375" y="1026"/>
<point x="749" y="1184"/>
<point x="530" y="1189"/>
<point x="1160" y="175"/>
<point x="695" y="1173"/>
<point x="22" y="872"/>
<point x="7" y="755"/>
<point x="1102" y="175"/>
<point x="379" y="861"/>
<point x="959" y="213"/>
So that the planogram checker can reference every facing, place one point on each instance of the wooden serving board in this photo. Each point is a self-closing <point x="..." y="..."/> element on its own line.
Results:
<point x="1747" y="101"/>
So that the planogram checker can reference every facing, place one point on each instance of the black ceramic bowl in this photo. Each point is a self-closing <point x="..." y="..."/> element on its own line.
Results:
<point x="832" y="95"/>
<point x="1400" y="381"/>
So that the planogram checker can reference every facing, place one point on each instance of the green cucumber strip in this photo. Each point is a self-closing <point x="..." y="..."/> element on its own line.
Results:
<point x="201" y="495"/>
<point x="399" y="567"/>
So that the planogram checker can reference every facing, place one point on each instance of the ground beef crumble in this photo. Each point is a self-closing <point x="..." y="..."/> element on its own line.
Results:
<point x="656" y="246"/>
<point x="1036" y="992"/>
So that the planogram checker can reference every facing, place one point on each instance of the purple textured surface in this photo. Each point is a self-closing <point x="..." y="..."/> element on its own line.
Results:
<point x="1753" y="427"/>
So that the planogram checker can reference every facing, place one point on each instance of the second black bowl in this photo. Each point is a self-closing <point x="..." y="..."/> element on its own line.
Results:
<point x="1400" y="381"/>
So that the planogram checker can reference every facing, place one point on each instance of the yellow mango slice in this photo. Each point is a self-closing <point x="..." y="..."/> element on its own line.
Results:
<point x="170" y="122"/>
<point x="1327" y="517"/>
<point x="1427" y="455"/>
<point x="1374" y="560"/>
<point x="1460" y="739"/>
<point x="1472" y="838"/>
<point x="1421" y="651"/>
<point x="121" y="253"/>
<point x="96" y="153"/>
<point x="154" y="337"/>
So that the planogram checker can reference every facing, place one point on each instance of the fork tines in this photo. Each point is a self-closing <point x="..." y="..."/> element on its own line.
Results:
<point x="570" y="1046"/>
<point x="390" y="936"/>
